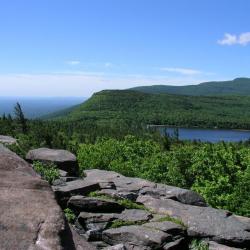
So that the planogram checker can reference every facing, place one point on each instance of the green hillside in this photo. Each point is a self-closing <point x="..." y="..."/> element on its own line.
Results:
<point x="238" y="86"/>
<point x="118" y="107"/>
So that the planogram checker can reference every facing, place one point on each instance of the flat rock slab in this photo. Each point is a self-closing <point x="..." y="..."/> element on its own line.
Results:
<point x="8" y="140"/>
<point x="29" y="215"/>
<point x="136" y="235"/>
<point x="166" y="227"/>
<point x="64" y="159"/>
<point x="135" y="215"/>
<point x="121" y="182"/>
<point x="206" y="222"/>
<point x="95" y="205"/>
<point x="77" y="187"/>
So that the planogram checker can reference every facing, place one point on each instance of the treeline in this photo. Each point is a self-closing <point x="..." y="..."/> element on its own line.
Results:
<point x="220" y="172"/>
<point x="124" y="106"/>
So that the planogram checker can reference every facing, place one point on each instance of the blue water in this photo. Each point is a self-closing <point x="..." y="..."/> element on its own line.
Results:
<point x="209" y="135"/>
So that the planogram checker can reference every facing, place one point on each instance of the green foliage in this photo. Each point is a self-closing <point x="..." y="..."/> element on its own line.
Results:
<point x="48" y="171"/>
<point x="172" y="219"/>
<point x="70" y="216"/>
<point x="219" y="172"/>
<point x="127" y="108"/>
<point x="121" y="223"/>
<point x="238" y="86"/>
<point x="123" y="202"/>
<point x="198" y="245"/>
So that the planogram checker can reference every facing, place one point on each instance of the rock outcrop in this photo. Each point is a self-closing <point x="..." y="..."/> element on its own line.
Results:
<point x="131" y="213"/>
<point x="108" y="211"/>
<point x="29" y="215"/>
<point x="7" y="140"/>
<point x="63" y="159"/>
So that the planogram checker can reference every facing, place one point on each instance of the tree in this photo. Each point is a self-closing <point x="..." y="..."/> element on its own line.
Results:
<point x="19" y="115"/>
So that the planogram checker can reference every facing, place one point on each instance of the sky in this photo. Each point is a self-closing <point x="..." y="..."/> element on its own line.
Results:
<point x="78" y="47"/>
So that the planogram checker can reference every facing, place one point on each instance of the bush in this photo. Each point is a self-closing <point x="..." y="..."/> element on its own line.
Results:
<point x="49" y="172"/>
<point x="219" y="172"/>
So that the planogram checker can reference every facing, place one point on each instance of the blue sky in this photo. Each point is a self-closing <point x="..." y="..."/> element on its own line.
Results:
<point x="77" y="47"/>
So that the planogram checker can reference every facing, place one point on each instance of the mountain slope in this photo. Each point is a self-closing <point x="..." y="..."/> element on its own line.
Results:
<point x="117" y="107"/>
<point x="238" y="86"/>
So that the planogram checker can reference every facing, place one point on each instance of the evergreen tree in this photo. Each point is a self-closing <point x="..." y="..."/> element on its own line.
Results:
<point x="19" y="115"/>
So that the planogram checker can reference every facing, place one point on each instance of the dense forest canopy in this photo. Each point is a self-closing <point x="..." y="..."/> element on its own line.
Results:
<point x="238" y="86"/>
<point x="127" y="106"/>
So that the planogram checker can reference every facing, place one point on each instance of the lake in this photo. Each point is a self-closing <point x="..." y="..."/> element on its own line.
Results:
<point x="209" y="135"/>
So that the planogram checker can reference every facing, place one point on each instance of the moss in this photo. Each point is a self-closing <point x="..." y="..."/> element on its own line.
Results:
<point x="121" y="223"/>
<point x="172" y="219"/>
<point x="123" y="202"/>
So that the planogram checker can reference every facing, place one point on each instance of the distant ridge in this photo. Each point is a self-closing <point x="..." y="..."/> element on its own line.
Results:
<point x="238" y="86"/>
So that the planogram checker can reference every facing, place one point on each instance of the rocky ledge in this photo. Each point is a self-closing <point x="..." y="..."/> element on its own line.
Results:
<point x="30" y="217"/>
<point x="106" y="211"/>
<point x="117" y="212"/>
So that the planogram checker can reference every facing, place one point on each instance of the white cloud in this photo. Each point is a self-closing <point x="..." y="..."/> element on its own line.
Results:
<point x="231" y="39"/>
<point x="80" y="83"/>
<point x="183" y="71"/>
<point x="73" y="62"/>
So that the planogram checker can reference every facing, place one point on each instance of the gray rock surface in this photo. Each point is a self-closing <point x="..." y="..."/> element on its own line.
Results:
<point x="216" y="246"/>
<point x="7" y="140"/>
<point x="166" y="227"/>
<point x="205" y="222"/>
<point x="64" y="159"/>
<point x="29" y="215"/>
<point x="77" y="187"/>
<point x="135" y="215"/>
<point x="136" y="235"/>
<point x="95" y="205"/>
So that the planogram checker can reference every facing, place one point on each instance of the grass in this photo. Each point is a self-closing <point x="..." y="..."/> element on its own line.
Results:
<point x="121" y="223"/>
<point x="49" y="172"/>
<point x="69" y="214"/>
<point x="123" y="202"/>
<point x="198" y="245"/>
<point x="172" y="219"/>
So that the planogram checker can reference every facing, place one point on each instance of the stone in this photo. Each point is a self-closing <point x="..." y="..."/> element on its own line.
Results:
<point x="136" y="235"/>
<point x="169" y="192"/>
<point x="100" y="244"/>
<point x="80" y="242"/>
<point x="7" y="140"/>
<point x="88" y="204"/>
<point x="135" y="215"/>
<point x="203" y="222"/>
<point x="77" y="187"/>
<point x="96" y="221"/>
<point x="63" y="173"/>
<point x="121" y="182"/>
<point x="178" y="244"/>
<point x="116" y="247"/>
<point x="216" y="246"/>
<point x="166" y="227"/>
<point x="30" y="217"/>
<point x="119" y="194"/>
<point x="63" y="159"/>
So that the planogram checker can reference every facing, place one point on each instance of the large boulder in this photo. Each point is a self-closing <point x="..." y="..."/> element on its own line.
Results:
<point x="135" y="215"/>
<point x="7" y="140"/>
<point x="30" y="217"/>
<point x="203" y="222"/>
<point x="63" y="159"/>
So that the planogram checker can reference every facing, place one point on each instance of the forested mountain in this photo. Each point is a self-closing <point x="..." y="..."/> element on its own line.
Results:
<point x="127" y="106"/>
<point x="238" y="86"/>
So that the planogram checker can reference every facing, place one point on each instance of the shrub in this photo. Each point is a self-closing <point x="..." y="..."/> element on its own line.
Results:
<point x="49" y="172"/>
